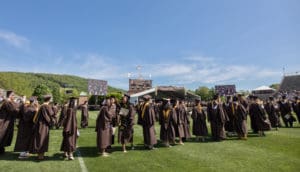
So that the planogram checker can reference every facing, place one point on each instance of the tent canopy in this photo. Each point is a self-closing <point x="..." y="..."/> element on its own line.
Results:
<point x="164" y="92"/>
<point x="261" y="88"/>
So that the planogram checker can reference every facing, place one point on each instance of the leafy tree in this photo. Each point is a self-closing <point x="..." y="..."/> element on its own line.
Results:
<point x="205" y="93"/>
<point x="275" y="86"/>
<point x="41" y="90"/>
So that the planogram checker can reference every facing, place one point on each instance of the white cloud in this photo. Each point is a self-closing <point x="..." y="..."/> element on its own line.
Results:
<point x="199" y="59"/>
<point x="194" y="70"/>
<point x="13" y="39"/>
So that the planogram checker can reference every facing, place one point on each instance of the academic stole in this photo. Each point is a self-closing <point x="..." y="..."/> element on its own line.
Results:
<point x="144" y="109"/>
<point x="233" y="109"/>
<point x="199" y="108"/>
<point x="36" y="115"/>
<point x="166" y="113"/>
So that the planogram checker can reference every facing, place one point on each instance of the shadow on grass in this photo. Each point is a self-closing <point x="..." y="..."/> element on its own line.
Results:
<point x="13" y="156"/>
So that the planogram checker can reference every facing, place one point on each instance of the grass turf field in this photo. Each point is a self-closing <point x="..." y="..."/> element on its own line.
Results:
<point x="278" y="151"/>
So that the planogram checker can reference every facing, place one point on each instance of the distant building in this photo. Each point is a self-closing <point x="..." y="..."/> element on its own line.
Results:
<point x="225" y="90"/>
<point x="290" y="83"/>
<point x="139" y="85"/>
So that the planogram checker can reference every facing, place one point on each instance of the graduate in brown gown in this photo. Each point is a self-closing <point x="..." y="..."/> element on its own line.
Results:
<point x="126" y="123"/>
<point x="180" y="111"/>
<point x="167" y="119"/>
<point x="296" y="107"/>
<point x="217" y="118"/>
<point x="240" y="119"/>
<point x="272" y="109"/>
<point x="84" y="115"/>
<point x="103" y="130"/>
<point x="260" y="117"/>
<point x="186" y="121"/>
<point x="286" y="112"/>
<point x="43" y="120"/>
<point x="228" y="109"/>
<point x="199" y="121"/>
<point x="25" y="128"/>
<point x="55" y="114"/>
<point x="114" y="110"/>
<point x="68" y="145"/>
<point x="8" y="113"/>
<point x="62" y="115"/>
<point x="148" y="123"/>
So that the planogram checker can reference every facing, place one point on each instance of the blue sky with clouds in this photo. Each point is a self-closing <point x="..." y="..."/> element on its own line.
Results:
<point x="187" y="43"/>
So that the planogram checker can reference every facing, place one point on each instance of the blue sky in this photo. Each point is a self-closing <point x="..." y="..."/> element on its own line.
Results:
<point x="187" y="43"/>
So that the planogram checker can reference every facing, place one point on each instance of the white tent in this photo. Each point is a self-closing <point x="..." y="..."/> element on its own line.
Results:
<point x="262" y="88"/>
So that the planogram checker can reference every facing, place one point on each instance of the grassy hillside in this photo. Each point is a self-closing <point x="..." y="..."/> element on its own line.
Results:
<point x="24" y="83"/>
<point x="278" y="151"/>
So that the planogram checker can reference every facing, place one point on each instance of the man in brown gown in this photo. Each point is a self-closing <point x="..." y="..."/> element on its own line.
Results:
<point x="84" y="115"/>
<point x="148" y="123"/>
<point x="180" y="112"/>
<point x="272" y="109"/>
<point x="199" y="121"/>
<point x="228" y="109"/>
<point x="240" y="117"/>
<point x="43" y="120"/>
<point x="25" y="128"/>
<point x="55" y="114"/>
<point x="217" y="119"/>
<point x="103" y="127"/>
<point x="126" y="123"/>
<point x="8" y="113"/>
<point x="185" y="117"/>
<point x="68" y="145"/>
<point x="62" y="115"/>
<point x="167" y="119"/>
<point x="260" y="117"/>
<point x="286" y="112"/>
<point x="296" y="107"/>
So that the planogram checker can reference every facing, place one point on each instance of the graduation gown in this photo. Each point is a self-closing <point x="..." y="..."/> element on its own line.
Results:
<point x="8" y="113"/>
<point x="285" y="110"/>
<point x="148" y="123"/>
<point x="273" y="112"/>
<point x="167" y="119"/>
<point x="55" y="115"/>
<point x="217" y="119"/>
<point x="240" y="120"/>
<point x="103" y="130"/>
<point x="260" y="118"/>
<point x="84" y="116"/>
<point x="69" y="131"/>
<point x="40" y="140"/>
<point x="296" y="109"/>
<point x="252" y="117"/>
<point x="62" y="116"/>
<point x="125" y="134"/>
<point x="199" y="122"/>
<point x="25" y="128"/>
<point x="180" y="122"/>
<point x="229" y="125"/>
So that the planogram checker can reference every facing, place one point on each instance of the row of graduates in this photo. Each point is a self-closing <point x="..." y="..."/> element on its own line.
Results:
<point x="284" y="108"/>
<point x="34" y="123"/>
<point x="227" y="117"/>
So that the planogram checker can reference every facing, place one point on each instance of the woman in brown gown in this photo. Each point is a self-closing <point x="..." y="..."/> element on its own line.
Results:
<point x="70" y="131"/>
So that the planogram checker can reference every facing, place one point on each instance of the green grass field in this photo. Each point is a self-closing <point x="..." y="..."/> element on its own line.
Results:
<point x="278" y="151"/>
